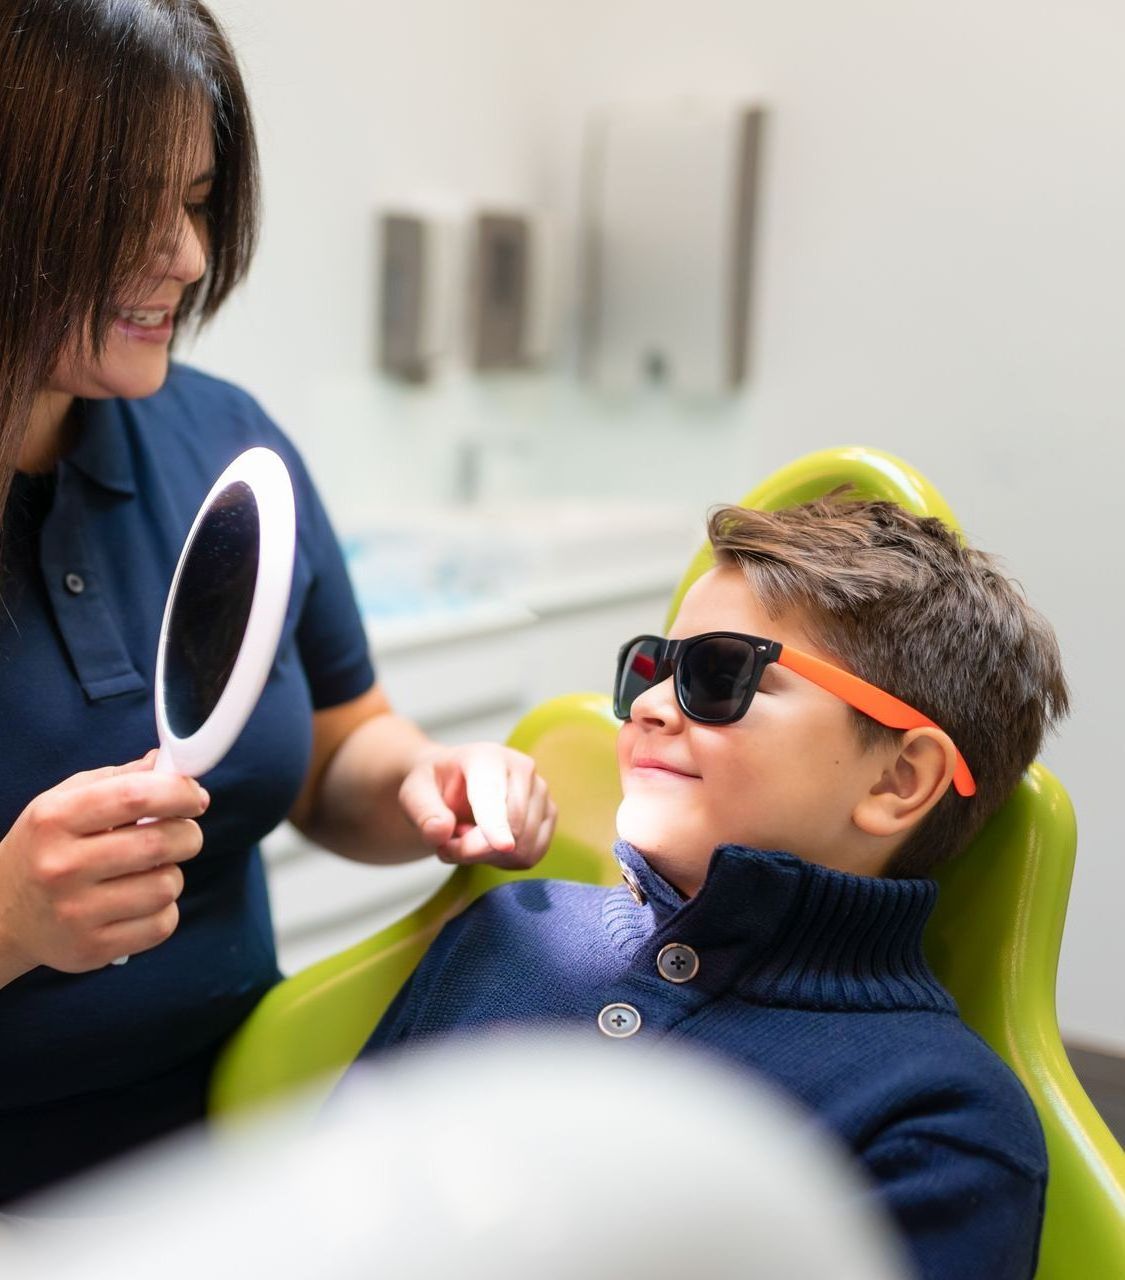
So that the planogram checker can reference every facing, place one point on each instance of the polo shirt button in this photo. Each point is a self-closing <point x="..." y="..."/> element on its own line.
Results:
<point x="619" y="1021"/>
<point x="677" y="963"/>
<point x="75" y="583"/>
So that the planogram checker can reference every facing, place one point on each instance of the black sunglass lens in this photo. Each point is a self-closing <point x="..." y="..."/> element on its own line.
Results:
<point x="715" y="675"/>
<point x="637" y="670"/>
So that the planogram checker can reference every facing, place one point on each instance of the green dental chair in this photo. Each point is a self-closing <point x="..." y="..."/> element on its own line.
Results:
<point x="993" y="940"/>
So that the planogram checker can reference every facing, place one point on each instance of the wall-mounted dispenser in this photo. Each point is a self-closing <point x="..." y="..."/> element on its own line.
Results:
<point x="669" y="204"/>
<point x="417" y="284"/>
<point x="510" y="289"/>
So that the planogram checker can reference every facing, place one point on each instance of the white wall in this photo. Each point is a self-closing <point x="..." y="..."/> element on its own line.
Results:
<point x="940" y="274"/>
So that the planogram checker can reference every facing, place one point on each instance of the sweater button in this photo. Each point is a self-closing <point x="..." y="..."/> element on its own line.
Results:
<point x="677" y="963"/>
<point x="75" y="583"/>
<point x="632" y="883"/>
<point x="619" y="1021"/>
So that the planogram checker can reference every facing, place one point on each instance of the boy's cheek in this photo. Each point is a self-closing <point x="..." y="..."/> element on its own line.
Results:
<point x="626" y="737"/>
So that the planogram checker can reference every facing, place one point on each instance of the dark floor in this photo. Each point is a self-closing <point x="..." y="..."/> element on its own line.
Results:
<point x="1103" y="1078"/>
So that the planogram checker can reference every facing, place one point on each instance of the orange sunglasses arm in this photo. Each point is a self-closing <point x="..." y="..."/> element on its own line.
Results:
<point x="872" y="701"/>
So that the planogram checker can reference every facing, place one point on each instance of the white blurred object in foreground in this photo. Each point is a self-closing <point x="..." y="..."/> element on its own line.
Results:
<point x="549" y="1158"/>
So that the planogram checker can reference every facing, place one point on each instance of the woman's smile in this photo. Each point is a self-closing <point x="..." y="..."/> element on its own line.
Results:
<point x="147" y="324"/>
<point x="152" y="320"/>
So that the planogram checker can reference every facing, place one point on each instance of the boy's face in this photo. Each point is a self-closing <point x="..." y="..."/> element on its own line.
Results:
<point x="788" y="775"/>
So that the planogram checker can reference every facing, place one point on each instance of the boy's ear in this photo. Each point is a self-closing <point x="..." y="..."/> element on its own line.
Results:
<point x="915" y="778"/>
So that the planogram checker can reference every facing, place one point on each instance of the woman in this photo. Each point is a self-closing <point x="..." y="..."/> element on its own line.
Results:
<point x="128" y="201"/>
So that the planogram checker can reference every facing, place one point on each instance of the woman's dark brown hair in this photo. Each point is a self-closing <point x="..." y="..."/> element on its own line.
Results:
<point x="902" y="602"/>
<point x="99" y="104"/>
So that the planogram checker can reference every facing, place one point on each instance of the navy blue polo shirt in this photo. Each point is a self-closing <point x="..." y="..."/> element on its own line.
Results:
<point x="93" y="1063"/>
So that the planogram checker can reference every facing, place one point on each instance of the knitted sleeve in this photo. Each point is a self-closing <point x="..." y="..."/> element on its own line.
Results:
<point x="407" y="1010"/>
<point x="963" y="1210"/>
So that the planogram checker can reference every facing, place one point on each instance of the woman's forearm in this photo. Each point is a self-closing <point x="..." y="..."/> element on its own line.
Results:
<point x="355" y="811"/>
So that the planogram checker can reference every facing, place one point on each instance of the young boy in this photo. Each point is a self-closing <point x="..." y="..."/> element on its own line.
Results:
<point x="843" y="701"/>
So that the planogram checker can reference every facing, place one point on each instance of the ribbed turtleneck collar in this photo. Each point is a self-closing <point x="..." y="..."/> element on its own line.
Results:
<point x="779" y="930"/>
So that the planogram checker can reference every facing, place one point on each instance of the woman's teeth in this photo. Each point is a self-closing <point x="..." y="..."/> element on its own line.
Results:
<point x="146" y="319"/>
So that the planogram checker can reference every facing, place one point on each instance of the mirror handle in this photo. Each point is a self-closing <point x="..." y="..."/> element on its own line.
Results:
<point x="162" y="764"/>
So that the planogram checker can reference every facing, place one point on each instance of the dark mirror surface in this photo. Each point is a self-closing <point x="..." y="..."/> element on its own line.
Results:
<point x="211" y="608"/>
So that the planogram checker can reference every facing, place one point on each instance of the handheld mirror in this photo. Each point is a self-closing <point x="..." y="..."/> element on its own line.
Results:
<point x="224" y="614"/>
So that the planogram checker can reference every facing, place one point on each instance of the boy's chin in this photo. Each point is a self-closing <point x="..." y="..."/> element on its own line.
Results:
<point x="645" y="829"/>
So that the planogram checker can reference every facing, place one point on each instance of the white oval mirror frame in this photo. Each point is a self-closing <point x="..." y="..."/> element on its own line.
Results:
<point x="264" y="474"/>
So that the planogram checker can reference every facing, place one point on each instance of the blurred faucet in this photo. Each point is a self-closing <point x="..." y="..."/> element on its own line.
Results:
<point x="483" y="464"/>
<point x="467" y="470"/>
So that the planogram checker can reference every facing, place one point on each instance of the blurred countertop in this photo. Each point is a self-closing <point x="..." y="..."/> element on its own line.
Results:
<point x="424" y="576"/>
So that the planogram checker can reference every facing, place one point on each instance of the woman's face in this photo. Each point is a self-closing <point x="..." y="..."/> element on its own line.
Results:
<point x="134" y="361"/>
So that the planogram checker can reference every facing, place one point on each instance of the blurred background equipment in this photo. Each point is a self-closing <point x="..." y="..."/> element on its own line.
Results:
<point x="558" y="1158"/>
<point x="511" y="297"/>
<point x="415" y="296"/>
<point x="670" y="204"/>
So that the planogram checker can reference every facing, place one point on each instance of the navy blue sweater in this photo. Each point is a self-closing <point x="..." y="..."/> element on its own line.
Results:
<point x="811" y="977"/>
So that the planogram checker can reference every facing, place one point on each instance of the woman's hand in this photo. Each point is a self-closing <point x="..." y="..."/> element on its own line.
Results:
<point x="81" y="883"/>
<point x="480" y="803"/>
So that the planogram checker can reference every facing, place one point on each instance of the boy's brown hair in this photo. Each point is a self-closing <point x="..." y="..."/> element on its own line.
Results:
<point x="902" y="602"/>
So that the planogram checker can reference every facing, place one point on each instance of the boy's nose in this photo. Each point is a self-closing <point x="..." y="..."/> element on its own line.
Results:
<point x="657" y="706"/>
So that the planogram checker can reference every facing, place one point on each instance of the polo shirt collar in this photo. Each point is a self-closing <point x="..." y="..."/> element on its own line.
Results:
<point x="102" y="453"/>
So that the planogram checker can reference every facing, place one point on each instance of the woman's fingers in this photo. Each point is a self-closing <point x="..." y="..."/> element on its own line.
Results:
<point x="83" y="779"/>
<point x="536" y="830"/>
<point x="488" y="785"/>
<point x="538" y="825"/>
<point x="120" y="800"/>
<point x="456" y="786"/>
<point x="133" y="897"/>
<point x="480" y="803"/>
<point x="129" y="937"/>
<point x="78" y="862"/>
<point x="136" y="849"/>
<point x="523" y="784"/>
<point x="545" y="835"/>
<point x="422" y="797"/>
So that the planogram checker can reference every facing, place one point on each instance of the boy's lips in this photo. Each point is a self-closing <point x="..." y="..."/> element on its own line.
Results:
<point x="650" y="763"/>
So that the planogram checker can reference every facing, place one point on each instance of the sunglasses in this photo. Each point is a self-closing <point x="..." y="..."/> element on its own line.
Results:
<point x="717" y="674"/>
